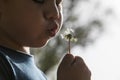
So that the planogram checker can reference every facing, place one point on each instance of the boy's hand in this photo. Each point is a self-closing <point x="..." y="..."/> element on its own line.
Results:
<point x="73" y="68"/>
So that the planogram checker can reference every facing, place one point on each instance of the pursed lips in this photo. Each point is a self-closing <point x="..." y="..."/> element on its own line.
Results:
<point x="53" y="29"/>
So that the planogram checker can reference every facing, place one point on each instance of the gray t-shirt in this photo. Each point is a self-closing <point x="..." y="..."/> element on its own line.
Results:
<point x="18" y="65"/>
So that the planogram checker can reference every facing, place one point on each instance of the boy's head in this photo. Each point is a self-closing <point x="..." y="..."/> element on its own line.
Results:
<point x="30" y="22"/>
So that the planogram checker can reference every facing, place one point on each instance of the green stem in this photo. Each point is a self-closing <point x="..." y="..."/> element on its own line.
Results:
<point x="69" y="47"/>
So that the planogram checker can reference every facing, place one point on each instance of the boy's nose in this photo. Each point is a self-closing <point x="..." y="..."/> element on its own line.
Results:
<point x="53" y="12"/>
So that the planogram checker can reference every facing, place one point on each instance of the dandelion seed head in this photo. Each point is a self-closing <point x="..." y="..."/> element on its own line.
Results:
<point x="69" y="35"/>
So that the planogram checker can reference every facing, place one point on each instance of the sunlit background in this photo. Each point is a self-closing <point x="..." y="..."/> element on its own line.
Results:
<point x="99" y="20"/>
<point x="103" y="56"/>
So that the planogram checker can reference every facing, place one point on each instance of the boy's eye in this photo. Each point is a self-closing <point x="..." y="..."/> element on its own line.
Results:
<point x="39" y="1"/>
<point x="58" y="2"/>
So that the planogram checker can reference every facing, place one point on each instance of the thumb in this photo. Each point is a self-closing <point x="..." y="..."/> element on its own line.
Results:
<point x="67" y="60"/>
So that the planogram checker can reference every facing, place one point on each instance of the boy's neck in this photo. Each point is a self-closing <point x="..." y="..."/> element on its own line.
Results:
<point x="17" y="48"/>
<point x="7" y="42"/>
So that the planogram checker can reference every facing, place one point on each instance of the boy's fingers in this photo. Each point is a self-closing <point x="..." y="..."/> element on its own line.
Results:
<point x="78" y="60"/>
<point x="67" y="59"/>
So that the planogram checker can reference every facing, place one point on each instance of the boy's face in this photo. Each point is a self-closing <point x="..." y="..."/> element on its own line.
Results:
<point x="31" y="22"/>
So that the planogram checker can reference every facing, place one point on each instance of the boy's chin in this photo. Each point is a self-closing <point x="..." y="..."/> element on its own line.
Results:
<point x="38" y="45"/>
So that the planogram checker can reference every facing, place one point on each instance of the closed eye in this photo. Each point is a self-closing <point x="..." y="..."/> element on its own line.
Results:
<point x="58" y="2"/>
<point x="39" y="1"/>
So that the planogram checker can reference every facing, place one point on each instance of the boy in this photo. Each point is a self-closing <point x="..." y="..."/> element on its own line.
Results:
<point x="31" y="23"/>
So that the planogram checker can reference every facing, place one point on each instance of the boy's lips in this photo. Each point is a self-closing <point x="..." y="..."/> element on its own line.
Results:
<point x="53" y="30"/>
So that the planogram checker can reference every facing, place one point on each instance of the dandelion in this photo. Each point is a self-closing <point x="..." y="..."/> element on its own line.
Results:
<point x="68" y="35"/>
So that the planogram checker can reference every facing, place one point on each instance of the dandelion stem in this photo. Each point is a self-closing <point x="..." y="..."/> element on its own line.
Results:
<point x="69" y="47"/>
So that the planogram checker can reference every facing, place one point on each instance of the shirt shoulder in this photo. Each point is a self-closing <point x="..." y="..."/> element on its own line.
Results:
<point x="21" y="66"/>
<point x="6" y="72"/>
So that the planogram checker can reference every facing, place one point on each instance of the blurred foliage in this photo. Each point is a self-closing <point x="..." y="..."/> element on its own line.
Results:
<point x="49" y="55"/>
